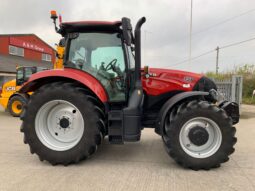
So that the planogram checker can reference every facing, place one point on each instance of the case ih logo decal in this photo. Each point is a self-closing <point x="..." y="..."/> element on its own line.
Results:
<point x="188" y="79"/>
<point x="10" y="88"/>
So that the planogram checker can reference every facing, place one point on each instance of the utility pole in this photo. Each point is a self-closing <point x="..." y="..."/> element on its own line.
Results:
<point x="217" y="60"/>
<point x="190" y="31"/>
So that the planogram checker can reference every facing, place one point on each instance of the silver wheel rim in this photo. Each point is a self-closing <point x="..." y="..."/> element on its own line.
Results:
<point x="48" y="125"/>
<point x="210" y="147"/>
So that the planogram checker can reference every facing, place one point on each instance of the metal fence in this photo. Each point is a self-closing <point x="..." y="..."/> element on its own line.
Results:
<point x="231" y="89"/>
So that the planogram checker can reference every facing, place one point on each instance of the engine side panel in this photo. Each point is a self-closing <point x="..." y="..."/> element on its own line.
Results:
<point x="162" y="81"/>
<point x="162" y="85"/>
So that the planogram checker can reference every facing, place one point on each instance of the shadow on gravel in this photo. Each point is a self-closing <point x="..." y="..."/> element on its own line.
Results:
<point x="4" y="113"/>
<point x="247" y="115"/>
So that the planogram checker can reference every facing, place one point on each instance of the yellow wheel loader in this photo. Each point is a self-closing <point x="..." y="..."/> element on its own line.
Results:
<point x="10" y="98"/>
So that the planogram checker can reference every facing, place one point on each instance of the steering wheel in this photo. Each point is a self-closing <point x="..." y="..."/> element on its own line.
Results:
<point x="111" y="65"/>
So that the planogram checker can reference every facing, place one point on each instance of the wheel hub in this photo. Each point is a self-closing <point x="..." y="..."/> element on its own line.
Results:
<point x="59" y="125"/>
<point x="19" y="106"/>
<point x="198" y="136"/>
<point x="64" y="123"/>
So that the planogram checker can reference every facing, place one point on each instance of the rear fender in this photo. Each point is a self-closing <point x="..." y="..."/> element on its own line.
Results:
<point x="171" y="103"/>
<point x="70" y="75"/>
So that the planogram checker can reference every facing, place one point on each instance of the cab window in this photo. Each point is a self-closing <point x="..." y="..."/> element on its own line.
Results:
<point x="101" y="55"/>
<point x="20" y="74"/>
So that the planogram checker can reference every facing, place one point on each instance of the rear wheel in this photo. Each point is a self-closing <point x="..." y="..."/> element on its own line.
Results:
<point x="16" y="104"/>
<point x="61" y="124"/>
<point x="199" y="135"/>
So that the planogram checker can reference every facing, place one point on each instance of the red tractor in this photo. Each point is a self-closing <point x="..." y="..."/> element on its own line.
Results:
<point x="102" y="91"/>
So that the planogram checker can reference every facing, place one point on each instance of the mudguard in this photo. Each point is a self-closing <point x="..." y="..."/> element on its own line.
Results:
<point x="170" y="103"/>
<point x="67" y="74"/>
<point x="24" y="95"/>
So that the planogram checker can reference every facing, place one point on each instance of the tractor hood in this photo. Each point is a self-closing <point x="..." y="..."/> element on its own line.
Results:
<point x="163" y="81"/>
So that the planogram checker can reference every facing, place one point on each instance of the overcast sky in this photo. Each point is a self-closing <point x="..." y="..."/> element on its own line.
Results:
<point x="165" y="34"/>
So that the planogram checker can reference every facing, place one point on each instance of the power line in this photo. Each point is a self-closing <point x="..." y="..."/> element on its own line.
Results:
<point x="196" y="57"/>
<point x="237" y="43"/>
<point x="220" y="23"/>
<point x="224" y="21"/>
<point x="208" y="52"/>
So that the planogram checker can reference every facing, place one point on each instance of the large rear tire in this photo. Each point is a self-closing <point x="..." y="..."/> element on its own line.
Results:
<point x="199" y="135"/>
<point x="62" y="124"/>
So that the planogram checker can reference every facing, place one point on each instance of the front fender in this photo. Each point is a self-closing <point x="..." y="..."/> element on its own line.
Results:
<point x="67" y="74"/>
<point x="171" y="103"/>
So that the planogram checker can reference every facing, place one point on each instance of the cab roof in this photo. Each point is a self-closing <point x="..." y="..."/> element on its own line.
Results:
<point x="90" y="26"/>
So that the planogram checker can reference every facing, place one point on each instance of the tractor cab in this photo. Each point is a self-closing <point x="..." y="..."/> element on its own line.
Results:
<point x="101" y="55"/>
<point x="104" y="50"/>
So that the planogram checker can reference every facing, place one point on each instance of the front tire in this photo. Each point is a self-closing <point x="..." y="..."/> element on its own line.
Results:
<point x="16" y="105"/>
<point x="61" y="124"/>
<point x="199" y="135"/>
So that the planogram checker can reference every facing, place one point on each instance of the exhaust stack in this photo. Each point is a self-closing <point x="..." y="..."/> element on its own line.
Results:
<point x="138" y="26"/>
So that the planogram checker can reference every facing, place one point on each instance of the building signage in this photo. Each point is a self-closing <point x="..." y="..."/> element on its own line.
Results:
<point x="28" y="45"/>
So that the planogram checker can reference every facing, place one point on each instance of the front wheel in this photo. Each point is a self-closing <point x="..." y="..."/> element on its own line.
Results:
<point x="16" y="105"/>
<point x="199" y="135"/>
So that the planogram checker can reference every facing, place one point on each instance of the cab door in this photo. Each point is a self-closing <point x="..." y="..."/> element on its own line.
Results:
<point x="101" y="55"/>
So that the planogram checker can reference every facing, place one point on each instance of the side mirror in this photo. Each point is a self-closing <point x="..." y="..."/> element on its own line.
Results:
<point x="127" y="30"/>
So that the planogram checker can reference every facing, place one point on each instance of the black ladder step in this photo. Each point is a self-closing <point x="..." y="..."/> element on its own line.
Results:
<point x="115" y="127"/>
<point x="115" y="115"/>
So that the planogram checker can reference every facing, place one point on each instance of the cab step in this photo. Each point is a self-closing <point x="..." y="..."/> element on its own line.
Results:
<point x="115" y="127"/>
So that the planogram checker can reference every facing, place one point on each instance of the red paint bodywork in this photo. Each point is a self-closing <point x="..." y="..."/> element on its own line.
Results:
<point x="74" y="74"/>
<point x="162" y="81"/>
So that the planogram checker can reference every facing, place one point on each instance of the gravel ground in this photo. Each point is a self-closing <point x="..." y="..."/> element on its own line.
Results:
<point x="134" y="166"/>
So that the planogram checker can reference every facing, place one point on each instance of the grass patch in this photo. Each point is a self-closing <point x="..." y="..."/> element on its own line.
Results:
<point x="249" y="100"/>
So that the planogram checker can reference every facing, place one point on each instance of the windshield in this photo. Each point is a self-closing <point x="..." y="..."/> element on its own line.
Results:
<point x="93" y="49"/>
<point x="20" y="74"/>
